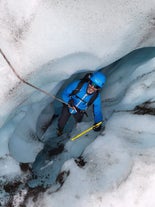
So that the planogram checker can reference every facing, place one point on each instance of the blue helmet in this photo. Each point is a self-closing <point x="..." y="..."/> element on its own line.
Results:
<point x="98" y="79"/>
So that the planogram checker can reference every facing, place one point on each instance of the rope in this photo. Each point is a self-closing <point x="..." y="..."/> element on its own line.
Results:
<point x="29" y="84"/>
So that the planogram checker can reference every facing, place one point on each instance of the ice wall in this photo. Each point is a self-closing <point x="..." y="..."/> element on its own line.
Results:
<point x="40" y="36"/>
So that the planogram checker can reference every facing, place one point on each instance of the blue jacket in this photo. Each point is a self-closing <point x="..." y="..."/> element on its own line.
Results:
<point x="81" y="100"/>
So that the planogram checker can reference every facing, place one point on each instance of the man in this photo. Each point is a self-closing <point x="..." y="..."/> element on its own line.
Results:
<point x="79" y="96"/>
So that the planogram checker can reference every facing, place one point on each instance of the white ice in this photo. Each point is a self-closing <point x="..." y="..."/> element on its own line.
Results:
<point x="47" y="42"/>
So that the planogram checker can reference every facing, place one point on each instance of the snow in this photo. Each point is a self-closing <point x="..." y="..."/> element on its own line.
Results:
<point x="49" y="41"/>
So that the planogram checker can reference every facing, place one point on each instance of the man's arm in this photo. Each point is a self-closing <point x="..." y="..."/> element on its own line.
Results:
<point x="68" y="90"/>
<point x="97" y="107"/>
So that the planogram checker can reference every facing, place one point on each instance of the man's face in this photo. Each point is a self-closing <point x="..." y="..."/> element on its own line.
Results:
<point x="92" y="88"/>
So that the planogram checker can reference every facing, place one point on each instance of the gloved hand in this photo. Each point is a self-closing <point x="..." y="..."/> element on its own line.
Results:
<point x="71" y="102"/>
<point x="98" y="128"/>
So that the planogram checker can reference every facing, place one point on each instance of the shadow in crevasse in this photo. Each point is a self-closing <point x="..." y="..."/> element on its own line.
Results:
<point x="48" y="163"/>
